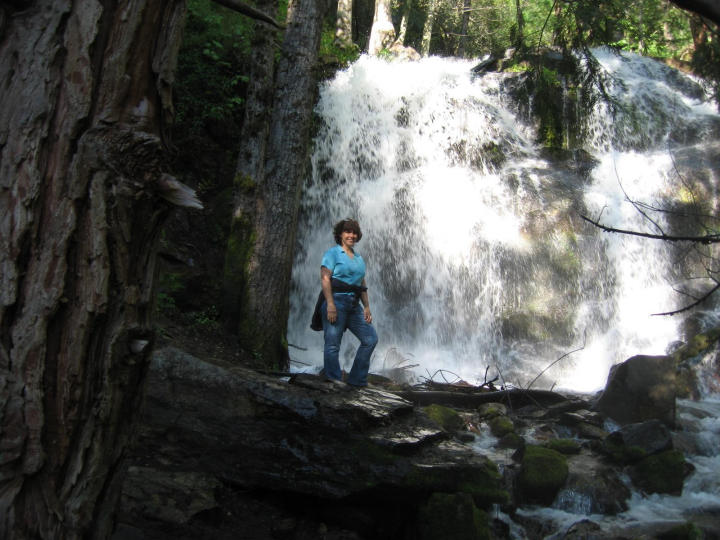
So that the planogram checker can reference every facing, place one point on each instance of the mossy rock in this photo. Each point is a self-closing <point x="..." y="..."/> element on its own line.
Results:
<point x="511" y="440"/>
<point x="621" y="454"/>
<point x="452" y="516"/>
<point x="543" y="473"/>
<point x="445" y="417"/>
<point x="501" y="426"/>
<point x="564" y="446"/>
<point x="686" y="531"/>
<point x="660" y="473"/>
<point x="696" y="345"/>
<point x="483" y="483"/>
<point x="491" y="410"/>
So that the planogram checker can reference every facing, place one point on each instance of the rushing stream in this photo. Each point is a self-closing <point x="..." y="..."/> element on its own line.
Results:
<point x="478" y="259"/>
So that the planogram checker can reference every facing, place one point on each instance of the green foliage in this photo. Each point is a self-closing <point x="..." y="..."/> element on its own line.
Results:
<point x="334" y="53"/>
<point x="209" y="91"/>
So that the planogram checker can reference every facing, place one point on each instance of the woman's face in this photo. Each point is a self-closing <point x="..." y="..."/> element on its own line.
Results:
<point x="348" y="238"/>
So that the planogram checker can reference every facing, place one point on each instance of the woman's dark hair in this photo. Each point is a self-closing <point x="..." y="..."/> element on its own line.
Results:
<point x="349" y="225"/>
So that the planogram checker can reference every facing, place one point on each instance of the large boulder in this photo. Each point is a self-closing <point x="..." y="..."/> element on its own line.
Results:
<point x="641" y="388"/>
<point x="210" y="434"/>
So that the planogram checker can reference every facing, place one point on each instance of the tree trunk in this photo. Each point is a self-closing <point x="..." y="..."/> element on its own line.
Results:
<point x="404" y="22"/>
<point x="465" y="17"/>
<point x="427" y="29"/>
<point x="382" y="33"/>
<point x="264" y="311"/>
<point x="250" y="167"/>
<point x="343" y="30"/>
<point x="86" y="90"/>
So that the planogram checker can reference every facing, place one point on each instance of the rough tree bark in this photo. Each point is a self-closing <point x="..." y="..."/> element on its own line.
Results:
<point x="269" y="247"/>
<point x="86" y="91"/>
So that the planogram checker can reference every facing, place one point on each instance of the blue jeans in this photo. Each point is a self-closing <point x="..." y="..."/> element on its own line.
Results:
<point x="349" y="315"/>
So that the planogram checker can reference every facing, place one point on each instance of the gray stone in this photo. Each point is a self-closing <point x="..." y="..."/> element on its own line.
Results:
<point x="641" y="388"/>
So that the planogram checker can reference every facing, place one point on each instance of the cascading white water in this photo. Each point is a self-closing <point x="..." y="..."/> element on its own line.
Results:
<point x="476" y="253"/>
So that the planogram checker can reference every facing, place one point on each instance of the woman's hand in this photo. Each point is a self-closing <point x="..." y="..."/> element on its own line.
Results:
<point x="368" y="315"/>
<point x="331" y="313"/>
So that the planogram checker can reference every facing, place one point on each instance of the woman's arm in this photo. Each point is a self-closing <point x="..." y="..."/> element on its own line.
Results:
<point x="366" y="303"/>
<point x="326" y="284"/>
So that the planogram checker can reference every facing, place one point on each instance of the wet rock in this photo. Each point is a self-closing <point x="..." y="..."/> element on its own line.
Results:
<point x="592" y="487"/>
<point x="584" y="530"/>
<point x="452" y="516"/>
<point x="542" y="474"/>
<point x="564" y="446"/>
<point x="641" y="388"/>
<point x="501" y="426"/>
<point x="205" y="426"/>
<point x="490" y="410"/>
<point x="651" y="436"/>
<point x="661" y="473"/>
<point x="445" y="417"/>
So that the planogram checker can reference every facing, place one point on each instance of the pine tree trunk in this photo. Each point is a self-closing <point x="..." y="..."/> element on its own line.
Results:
<point x="427" y="29"/>
<point x="264" y="312"/>
<point x="86" y="87"/>
<point x="343" y="29"/>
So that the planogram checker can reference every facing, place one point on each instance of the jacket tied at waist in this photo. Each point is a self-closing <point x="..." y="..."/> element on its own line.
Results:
<point x="337" y="287"/>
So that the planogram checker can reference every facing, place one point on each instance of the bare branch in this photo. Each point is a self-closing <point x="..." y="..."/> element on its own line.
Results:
<point x="690" y="306"/>
<point x="706" y="239"/>
<point x="556" y="361"/>
<point x="253" y="13"/>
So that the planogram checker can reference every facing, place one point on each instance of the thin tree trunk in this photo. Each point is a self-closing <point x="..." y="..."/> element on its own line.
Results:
<point x="250" y="167"/>
<point x="462" y="45"/>
<point x="343" y="29"/>
<point x="86" y="88"/>
<point x="264" y="313"/>
<point x="382" y="33"/>
<point x="427" y="29"/>
<point x="404" y="22"/>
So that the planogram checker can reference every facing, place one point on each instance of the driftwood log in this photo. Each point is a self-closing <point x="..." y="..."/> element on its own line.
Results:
<point x="516" y="397"/>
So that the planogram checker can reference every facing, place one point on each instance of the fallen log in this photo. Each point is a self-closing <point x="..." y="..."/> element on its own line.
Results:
<point x="516" y="397"/>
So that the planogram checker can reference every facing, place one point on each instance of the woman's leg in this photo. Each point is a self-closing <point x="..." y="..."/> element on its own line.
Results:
<point x="368" y="339"/>
<point x="333" y="336"/>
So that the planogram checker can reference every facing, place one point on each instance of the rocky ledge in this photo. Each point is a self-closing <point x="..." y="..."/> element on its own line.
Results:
<point x="232" y="453"/>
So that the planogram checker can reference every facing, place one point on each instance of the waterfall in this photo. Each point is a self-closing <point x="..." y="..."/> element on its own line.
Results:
<point x="478" y="261"/>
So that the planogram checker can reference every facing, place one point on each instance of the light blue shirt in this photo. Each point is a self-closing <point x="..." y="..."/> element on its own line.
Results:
<point x="344" y="268"/>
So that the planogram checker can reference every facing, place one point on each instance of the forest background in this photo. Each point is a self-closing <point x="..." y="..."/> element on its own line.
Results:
<point x="201" y="289"/>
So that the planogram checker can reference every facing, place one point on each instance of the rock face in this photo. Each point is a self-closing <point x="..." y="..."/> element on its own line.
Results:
<point x="641" y="388"/>
<point x="209" y="431"/>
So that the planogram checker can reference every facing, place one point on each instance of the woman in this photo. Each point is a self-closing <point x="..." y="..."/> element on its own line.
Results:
<point x="342" y="276"/>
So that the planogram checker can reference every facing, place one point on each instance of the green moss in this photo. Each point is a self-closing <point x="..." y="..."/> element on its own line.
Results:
<point x="501" y="425"/>
<point x="482" y="482"/>
<point x="445" y="417"/>
<point x="564" y="446"/>
<point x="490" y="410"/>
<point x="511" y="440"/>
<point x="622" y="454"/>
<point x="543" y="473"/>
<point x="686" y="531"/>
<point x="697" y="345"/>
<point x="660" y="473"/>
<point x="452" y="516"/>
